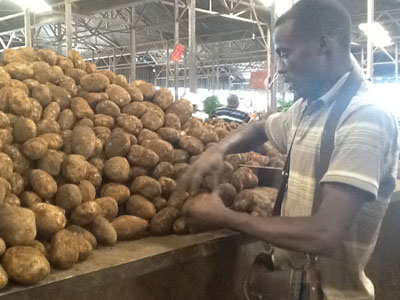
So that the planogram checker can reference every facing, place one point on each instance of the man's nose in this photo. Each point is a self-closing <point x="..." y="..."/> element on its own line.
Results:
<point x="281" y="67"/>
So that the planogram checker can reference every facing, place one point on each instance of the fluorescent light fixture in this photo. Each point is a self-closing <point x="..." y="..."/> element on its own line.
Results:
<point x="35" y="6"/>
<point x="378" y="34"/>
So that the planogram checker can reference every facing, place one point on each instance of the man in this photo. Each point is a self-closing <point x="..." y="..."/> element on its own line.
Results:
<point x="312" y="42"/>
<point x="231" y="113"/>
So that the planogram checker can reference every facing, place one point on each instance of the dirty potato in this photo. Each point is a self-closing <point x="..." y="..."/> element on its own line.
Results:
<point x="49" y="219"/>
<point x="43" y="184"/>
<point x="146" y="186"/>
<point x="117" y="191"/>
<point x="68" y="197"/>
<point x="163" y="221"/>
<point x="129" y="227"/>
<point x="94" y="82"/>
<point x="141" y="157"/>
<point x="117" y="169"/>
<point x="139" y="206"/>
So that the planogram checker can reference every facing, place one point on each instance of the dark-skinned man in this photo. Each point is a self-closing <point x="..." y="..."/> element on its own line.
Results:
<point x="312" y="43"/>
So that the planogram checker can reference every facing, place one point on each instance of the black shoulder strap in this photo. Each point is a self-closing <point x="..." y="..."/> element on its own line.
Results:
<point x="340" y="101"/>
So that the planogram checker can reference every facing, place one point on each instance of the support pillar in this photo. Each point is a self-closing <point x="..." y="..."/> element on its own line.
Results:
<point x="133" y="44"/>
<point x="114" y="61"/>
<point x="28" y="32"/>
<point x="167" y="68"/>
<point x="68" y="25"/>
<point x="396" y="66"/>
<point x="176" y="42"/>
<point x="370" y="50"/>
<point x="59" y="38"/>
<point x="192" y="47"/>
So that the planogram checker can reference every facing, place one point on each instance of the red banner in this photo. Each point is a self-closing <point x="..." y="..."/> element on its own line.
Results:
<point x="177" y="54"/>
<point x="258" y="80"/>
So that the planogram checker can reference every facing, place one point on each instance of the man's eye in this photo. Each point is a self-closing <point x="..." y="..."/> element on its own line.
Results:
<point x="283" y="55"/>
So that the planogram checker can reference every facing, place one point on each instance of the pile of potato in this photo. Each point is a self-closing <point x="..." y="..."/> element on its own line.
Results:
<point x="87" y="158"/>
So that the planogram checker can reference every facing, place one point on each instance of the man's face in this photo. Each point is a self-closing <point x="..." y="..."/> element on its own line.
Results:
<point x="298" y="60"/>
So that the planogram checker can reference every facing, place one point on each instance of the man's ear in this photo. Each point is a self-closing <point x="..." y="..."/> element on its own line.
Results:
<point x="323" y="44"/>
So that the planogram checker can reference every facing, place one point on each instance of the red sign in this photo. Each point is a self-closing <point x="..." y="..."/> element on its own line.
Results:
<point x="258" y="80"/>
<point x="177" y="54"/>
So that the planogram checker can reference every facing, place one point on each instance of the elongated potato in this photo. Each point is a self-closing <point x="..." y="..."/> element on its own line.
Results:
<point x="68" y="197"/>
<point x="141" y="157"/>
<point x="3" y="277"/>
<point x="43" y="184"/>
<point x="109" y="207"/>
<point x="119" y="192"/>
<point x="64" y="250"/>
<point x="163" y="222"/>
<point x="49" y="219"/>
<point x="85" y="213"/>
<point x="146" y="186"/>
<point x="129" y="227"/>
<point x="139" y="206"/>
<point x="86" y="234"/>
<point x="104" y="232"/>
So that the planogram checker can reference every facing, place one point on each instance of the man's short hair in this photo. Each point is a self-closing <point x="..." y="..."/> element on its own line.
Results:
<point x="320" y="17"/>
<point x="233" y="101"/>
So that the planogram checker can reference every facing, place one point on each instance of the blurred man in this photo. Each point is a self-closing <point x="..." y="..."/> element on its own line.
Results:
<point x="230" y="112"/>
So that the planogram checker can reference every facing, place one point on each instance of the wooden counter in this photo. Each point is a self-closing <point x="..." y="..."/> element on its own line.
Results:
<point x="204" y="266"/>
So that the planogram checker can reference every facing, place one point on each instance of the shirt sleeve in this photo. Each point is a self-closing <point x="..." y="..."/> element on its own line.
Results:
<point x="365" y="150"/>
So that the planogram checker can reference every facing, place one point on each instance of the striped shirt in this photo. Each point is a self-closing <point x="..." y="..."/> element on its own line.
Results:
<point x="231" y="114"/>
<point x="365" y="156"/>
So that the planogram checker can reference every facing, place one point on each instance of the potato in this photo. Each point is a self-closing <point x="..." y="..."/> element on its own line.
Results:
<point x="180" y="226"/>
<point x="6" y="166"/>
<point x="169" y="134"/>
<point x="54" y="141"/>
<point x="191" y="145"/>
<point x="102" y="133"/>
<point x="31" y="83"/>
<point x="159" y="203"/>
<point x="192" y="122"/>
<point x="129" y="227"/>
<point x="142" y="157"/>
<point x="49" y="219"/>
<point x="85" y="213"/>
<point x="6" y="137"/>
<point x="138" y="171"/>
<point x="67" y="138"/>
<point x="163" y="98"/>
<point x="28" y="199"/>
<point x="93" y="175"/>
<point x="146" y="134"/>
<point x="130" y="123"/>
<point x="4" y="120"/>
<point x="110" y="74"/>
<point x="81" y="108"/>
<point x="152" y="120"/>
<point x="204" y="134"/>
<point x="104" y="232"/>
<point x="74" y="168"/>
<point x="148" y="90"/>
<point x="163" y="169"/>
<point x="108" y="108"/>
<point x="2" y="246"/>
<point x="19" y="103"/>
<point x="19" y="71"/>
<point x="136" y="109"/>
<point x="162" y="148"/>
<point x="117" y="169"/>
<point x="81" y="92"/>
<point x="43" y="184"/>
<point x="168" y="186"/>
<point x="25" y="265"/>
<point x="17" y="183"/>
<point x="68" y="197"/>
<point x="19" y="85"/>
<point x="23" y="55"/>
<point x="12" y="200"/>
<point x="48" y="56"/>
<point x="135" y="93"/>
<point x="94" y="82"/>
<point x="117" y="144"/>
<point x="83" y="141"/>
<point x="263" y="198"/>
<point x="75" y="74"/>
<point x="5" y="189"/>
<point x="177" y="199"/>
<point x="182" y="108"/>
<point x="117" y="191"/>
<point x="65" y="63"/>
<point x="5" y="78"/>
<point x="36" y="110"/>
<point x="34" y="148"/>
<point x="179" y="169"/>
<point x="147" y="186"/>
<point x="227" y="192"/>
<point x="86" y="234"/>
<point x="17" y="225"/>
<point x="48" y="126"/>
<point x="60" y="95"/>
<point x="180" y="156"/>
<point x="244" y="178"/>
<point x="84" y="246"/>
<point x="66" y="119"/>
<point x="56" y="75"/>
<point x="163" y="221"/>
<point x="121" y="81"/>
<point x="109" y="207"/>
<point x="41" y="71"/>
<point x="51" y="162"/>
<point x="139" y="206"/>
<point x="77" y="59"/>
<point x="103" y="120"/>
<point x="64" y="250"/>
<point x="98" y="163"/>
<point x="90" y="67"/>
<point x="94" y="98"/>
<point x="118" y="95"/>
<point x="4" y="98"/>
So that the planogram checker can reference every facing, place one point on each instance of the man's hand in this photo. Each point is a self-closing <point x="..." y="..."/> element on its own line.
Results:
<point x="210" y="162"/>
<point x="205" y="211"/>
